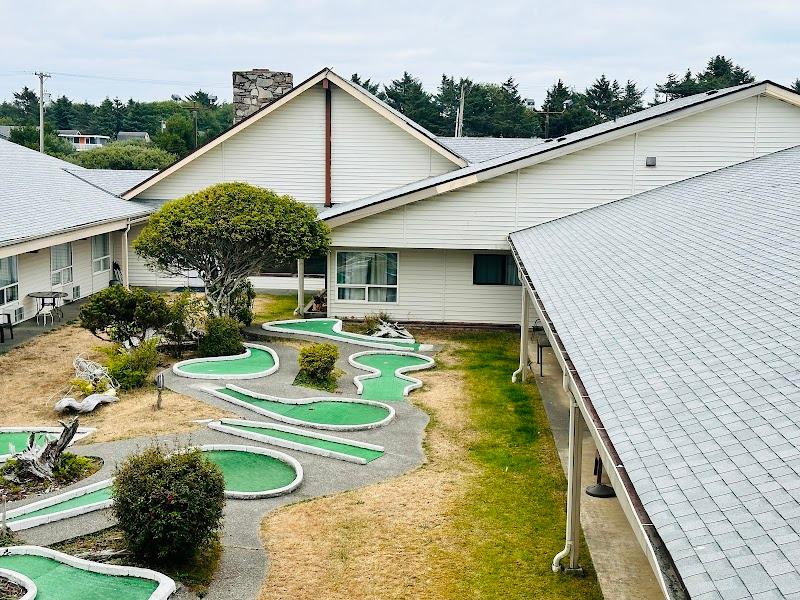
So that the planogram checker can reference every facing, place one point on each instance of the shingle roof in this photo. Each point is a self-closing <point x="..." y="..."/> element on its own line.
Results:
<point x="537" y="149"/>
<point x="40" y="196"/>
<point x="680" y="309"/>
<point x="115" y="181"/>
<point x="479" y="149"/>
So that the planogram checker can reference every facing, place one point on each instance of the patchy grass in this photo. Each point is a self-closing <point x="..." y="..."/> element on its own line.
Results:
<point x="35" y="374"/>
<point x="70" y="469"/>
<point x="482" y="518"/>
<point x="275" y="307"/>
<point x="326" y="385"/>
<point x="10" y="591"/>
<point x="196" y="573"/>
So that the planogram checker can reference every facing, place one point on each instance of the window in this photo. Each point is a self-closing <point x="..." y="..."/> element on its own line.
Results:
<point x="366" y="276"/>
<point x="9" y="280"/>
<point x="101" y="253"/>
<point x="494" y="269"/>
<point x="61" y="264"/>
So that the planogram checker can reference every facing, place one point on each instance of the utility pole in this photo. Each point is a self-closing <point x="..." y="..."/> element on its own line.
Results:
<point x="42" y="76"/>
<point x="460" y="114"/>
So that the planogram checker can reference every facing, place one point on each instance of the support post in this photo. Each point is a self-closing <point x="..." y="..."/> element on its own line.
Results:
<point x="301" y="286"/>
<point x="326" y="85"/>
<point x="574" y="466"/>
<point x="524" y="325"/>
<point x="125" y="276"/>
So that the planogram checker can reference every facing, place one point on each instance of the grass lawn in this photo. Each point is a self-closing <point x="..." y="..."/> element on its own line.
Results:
<point x="482" y="518"/>
<point x="275" y="307"/>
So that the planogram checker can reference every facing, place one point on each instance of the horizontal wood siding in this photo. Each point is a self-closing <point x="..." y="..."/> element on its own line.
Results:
<point x="284" y="152"/>
<point x="435" y="286"/>
<point x="370" y="154"/>
<point x="140" y="275"/>
<point x="483" y="214"/>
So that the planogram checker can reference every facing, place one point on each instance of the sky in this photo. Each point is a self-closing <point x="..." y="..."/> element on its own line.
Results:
<point x="148" y="49"/>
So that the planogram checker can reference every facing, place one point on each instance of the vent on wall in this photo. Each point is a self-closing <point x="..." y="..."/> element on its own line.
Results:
<point x="650" y="161"/>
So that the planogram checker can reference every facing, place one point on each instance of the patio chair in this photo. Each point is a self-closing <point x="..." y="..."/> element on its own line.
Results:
<point x="5" y="323"/>
<point x="46" y="311"/>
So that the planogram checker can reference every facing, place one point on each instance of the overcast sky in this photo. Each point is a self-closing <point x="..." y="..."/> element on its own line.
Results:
<point x="148" y="49"/>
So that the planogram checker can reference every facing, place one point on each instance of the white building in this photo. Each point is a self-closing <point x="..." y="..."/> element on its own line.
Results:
<point x="420" y="223"/>
<point x="83" y="141"/>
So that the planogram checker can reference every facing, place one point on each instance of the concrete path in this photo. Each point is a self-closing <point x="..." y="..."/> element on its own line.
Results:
<point x="27" y="330"/>
<point x="244" y="561"/>
<point x="622" y="569"/>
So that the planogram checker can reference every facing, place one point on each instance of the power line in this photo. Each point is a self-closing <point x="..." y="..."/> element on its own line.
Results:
<point x="120" y="79"/>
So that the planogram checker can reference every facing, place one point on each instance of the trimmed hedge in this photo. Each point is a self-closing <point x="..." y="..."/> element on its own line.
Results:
<point x="317" y="361"/>
<point x="223" y="337"/>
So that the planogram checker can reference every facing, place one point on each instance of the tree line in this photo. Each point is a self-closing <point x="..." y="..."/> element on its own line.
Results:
<point x="490" y="109"/>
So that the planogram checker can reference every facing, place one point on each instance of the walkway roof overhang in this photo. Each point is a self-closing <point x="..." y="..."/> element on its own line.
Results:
<point x="676" y="316"/>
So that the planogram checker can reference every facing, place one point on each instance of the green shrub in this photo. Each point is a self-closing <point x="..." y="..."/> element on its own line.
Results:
<point x="223" y="337"/>
<point x="123" y="315"/>
<point x="372" y="321"/>
<point x="186" y="314"/>
<point x="131" y="368"/>
<point x="242" y="304"/>
<point x="317" y="361"/>
<point x="71" y="467"/>
<point x="168" y="506"/>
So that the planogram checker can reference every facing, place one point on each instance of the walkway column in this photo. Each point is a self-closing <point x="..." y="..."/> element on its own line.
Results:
<point x="125" y="278"/>
<point x="574" y="465"/>
<point x="301" y="287"/>
<point x="524" y="325"/>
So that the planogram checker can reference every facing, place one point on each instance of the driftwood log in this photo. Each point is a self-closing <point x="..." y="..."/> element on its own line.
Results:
<point x="38" y="462"/>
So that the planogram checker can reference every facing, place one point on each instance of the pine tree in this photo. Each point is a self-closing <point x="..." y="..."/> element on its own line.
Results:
<point x="61" y="113"/>
<point x="630" y="101"/>
<point x="408" y="96"/>
<point x="27" y="103"/>
<point x="720" y="72"/>
<point x="373" y="87"/>
<point x="796" y="86"/>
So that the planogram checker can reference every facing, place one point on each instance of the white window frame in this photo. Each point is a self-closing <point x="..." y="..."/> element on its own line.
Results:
<point x="101" y="264"/>
<point x="61" y="281"/>
<point x="3" y="292"/>
<point x="365" y="286"/>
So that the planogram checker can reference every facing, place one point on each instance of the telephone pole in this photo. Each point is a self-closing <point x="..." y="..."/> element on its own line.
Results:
<point x="460" y="114"/>
<point x="42" y="76"/>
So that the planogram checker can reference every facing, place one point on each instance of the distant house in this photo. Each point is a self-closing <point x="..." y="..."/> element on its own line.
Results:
<point x="141" y="136"/>
<point x="83" y="141"/>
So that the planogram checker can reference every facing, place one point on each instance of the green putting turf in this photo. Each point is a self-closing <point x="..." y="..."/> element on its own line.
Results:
<point x="19" y="440"/>
<point x="258" y="361"/>
<point x="324" y="412"/>
<point x="325" y="326"/>
<point x="90" y="498"/>
<point x="57" y="581"/>
<point x="387" y="386"/>
<point x="250" y="472"/>
<point x="342" y="448"/>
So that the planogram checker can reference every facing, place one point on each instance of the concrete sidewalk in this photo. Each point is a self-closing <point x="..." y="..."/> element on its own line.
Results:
<point x="622" y="569"/>
<point x="27" y="330"/>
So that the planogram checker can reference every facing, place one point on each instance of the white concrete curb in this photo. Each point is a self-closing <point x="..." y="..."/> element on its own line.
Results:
<point x="357" y="339"/>
<point x="58" y="516"/>
<point x="224" y="426"/>
<point x="285" y="458"/>
<point x="80" y="434"/>
<point x="399" y="372"/>
<point x="166" y="586"/>
<point x="300" y="401"/>
<point x="176" y="368"/>
<point x="22" y="581"/>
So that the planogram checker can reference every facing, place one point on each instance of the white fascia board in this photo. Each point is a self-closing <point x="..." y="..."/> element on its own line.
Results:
<point x="72" y="235"/>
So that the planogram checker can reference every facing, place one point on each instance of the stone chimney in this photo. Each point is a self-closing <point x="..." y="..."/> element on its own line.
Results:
<point x="256" y="89"/>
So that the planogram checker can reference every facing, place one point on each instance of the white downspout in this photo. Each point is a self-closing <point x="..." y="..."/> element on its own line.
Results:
<point x="524" y="325"/>
<point x="301" y="286"/>
<point x="574" y="466"/>
<point x="125" y="277"/>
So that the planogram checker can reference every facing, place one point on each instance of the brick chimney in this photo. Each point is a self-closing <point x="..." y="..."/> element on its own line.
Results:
<point x="256" y="89"/>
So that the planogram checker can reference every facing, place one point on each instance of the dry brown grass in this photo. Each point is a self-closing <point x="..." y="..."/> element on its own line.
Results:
<point x="31" y="374"/>
<point x="383" y="541"/>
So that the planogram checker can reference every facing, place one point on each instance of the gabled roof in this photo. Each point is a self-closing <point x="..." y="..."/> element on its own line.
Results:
<point x="115" y="181"/>
<point x="552" y="148"/>
<point x="355" y="90"/>
<point x="41" y="196"/>
<point x="679" y="308"/>
<point x="479" y="149"/>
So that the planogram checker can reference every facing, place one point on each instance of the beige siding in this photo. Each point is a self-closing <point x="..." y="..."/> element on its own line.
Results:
<point x="483" y="214"/>
<point x="141" y="275"/>
<point x="371" y="154"/>
<point x="285" y="151"/>
<point x="435" y="286"/>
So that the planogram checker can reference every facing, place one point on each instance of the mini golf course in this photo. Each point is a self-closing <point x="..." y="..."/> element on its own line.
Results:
<point x="15" y="439"/>
<point x="256" y="361"/>
<point x="319" y="413"/>
<point x="58" y="576"/>
<point x="301" y="440"/>
<point x="332" y="329"/>
<point x="386" y="380"/>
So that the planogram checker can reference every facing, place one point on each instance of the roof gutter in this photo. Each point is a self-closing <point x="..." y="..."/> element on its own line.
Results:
<point x="655" y="549"/>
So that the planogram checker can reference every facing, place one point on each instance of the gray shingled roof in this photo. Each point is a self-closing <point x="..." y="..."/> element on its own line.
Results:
<point x="115" y="181"/>
<point x="680" y="308"/>
<point x="546" y="146"/>
<point x="479" y="149"/>
<point x="39" y="196"/>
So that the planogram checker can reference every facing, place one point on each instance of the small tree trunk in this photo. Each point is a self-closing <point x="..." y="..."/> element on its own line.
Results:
<point x="38" y="462"/>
